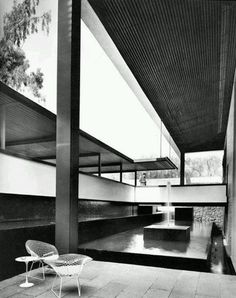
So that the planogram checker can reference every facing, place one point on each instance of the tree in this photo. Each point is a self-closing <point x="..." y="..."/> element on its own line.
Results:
<point x="202" y="167"/>
<point x="209" y="166"/>
<point x="19" y="23"/>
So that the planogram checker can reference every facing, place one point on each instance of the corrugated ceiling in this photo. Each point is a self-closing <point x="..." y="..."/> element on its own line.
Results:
<point x="183" y="55"/>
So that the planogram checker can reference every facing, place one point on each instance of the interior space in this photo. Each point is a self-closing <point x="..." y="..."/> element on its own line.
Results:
<point x="117" y="148"/>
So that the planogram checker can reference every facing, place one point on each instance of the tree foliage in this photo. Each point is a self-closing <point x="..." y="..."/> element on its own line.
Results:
<point x="18" y="24"/>
<point x="203" y="167"/>
<point x="209" y="166"/>
<point x="23" y="21"/>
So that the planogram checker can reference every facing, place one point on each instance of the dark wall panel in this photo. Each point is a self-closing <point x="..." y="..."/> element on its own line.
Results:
<point x="97" y="210"/>
<point x="24" y="207"/>
<point x="91" y="230"/>
<point x="13" y="245"/>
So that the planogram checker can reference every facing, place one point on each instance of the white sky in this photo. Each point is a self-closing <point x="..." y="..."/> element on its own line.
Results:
<point x="41" y="50"/>
<point x="109" y="109"/>
<point x="205" y="154"/>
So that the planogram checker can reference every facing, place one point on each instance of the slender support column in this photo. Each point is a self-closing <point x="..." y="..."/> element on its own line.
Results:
<point x="2" y="128"/>
<point x="121" y="172"/>
<point x="99" y="165"/>
<point x="161" y="141"/>
<point x="182" y="168"/>
<point x="68" y="94"/>
<point x="135" y="178"/>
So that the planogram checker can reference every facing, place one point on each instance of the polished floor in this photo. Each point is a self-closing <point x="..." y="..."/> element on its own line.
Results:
<point x="110" y="280"/>
<point x="132" y="241"/>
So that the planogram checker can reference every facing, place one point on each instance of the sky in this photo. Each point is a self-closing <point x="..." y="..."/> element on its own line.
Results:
<point x="109" y="110"/>
<point x="205" y="154"/>
<point x="46" y="57"/>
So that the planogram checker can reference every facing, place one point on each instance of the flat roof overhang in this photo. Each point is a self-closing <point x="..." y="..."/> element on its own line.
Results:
<point x="155" y="164"/>
<point x="31" y="133"/>
<point x="182" y="54"/>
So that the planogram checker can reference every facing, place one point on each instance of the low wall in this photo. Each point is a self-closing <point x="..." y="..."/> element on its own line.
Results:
<point x="15" y="174"/>
<point x="26" y="177"/>
<point x="15" y="207"/>
<point x="96" y="229"/>
<point x="189" y="194"/>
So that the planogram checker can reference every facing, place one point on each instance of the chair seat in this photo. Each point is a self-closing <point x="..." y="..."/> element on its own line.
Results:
<point x="68" y="264"/>
<point x="71" y="259"/>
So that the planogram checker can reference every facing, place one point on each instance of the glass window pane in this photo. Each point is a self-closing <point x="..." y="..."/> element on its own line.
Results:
<point x="204" y="167"/>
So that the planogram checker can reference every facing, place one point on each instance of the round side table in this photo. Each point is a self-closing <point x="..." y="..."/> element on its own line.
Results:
<point x="26" y="260"/>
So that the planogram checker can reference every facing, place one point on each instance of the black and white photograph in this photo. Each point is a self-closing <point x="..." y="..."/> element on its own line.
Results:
<point x="118" y="148"/>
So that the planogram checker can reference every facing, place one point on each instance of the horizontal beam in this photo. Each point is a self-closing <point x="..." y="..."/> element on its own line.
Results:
<point x="80" y="155"/>
<point x="103" y="165"/>
<point x="89" y="154"/>
<point x="31" y="141"/>
<point x="47" y="157"/>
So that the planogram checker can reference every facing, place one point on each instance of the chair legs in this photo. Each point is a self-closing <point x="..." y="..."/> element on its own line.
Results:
<point x="41" y="264"/>
<point x="78" y="284"/>
<point x="52" y="289"/>
<point x="60" y="286"/>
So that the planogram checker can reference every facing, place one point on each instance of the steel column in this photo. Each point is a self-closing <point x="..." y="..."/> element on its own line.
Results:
<point x="67" y="154"/>
<point x="99" y="165"/>
<point x="2" y="128"/>
<point x="182" y="168"/>
<point x="121" y="172"/>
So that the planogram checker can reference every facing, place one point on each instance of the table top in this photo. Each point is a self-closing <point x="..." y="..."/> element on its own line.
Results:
<point x="26" y="259"/>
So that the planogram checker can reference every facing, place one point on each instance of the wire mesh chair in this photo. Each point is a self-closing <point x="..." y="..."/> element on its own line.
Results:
<point x="68" y="265"/>
<point x="42" y="251"/>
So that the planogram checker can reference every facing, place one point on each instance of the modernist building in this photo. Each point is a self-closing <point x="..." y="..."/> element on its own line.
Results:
<point x="179" y="59"/>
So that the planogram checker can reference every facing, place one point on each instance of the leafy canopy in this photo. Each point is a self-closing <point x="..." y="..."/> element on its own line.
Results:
<point x="19" y="23"/>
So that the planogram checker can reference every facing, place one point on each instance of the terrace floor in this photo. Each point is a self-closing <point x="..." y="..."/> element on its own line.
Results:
<point x="108" y="280"/>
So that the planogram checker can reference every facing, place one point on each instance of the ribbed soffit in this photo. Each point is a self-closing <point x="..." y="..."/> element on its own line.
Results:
<point x="183" y="55"/>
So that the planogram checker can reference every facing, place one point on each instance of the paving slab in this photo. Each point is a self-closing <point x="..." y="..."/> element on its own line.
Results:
<point x="112" y="280"/>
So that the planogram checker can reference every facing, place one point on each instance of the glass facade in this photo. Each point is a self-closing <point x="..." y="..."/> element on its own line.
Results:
<point x="204" y="167"/>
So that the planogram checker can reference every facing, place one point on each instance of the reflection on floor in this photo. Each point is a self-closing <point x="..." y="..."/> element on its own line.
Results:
<point x="196" y="250"/>
<point x="132" y="241"/>
<point x="218" y="261"/>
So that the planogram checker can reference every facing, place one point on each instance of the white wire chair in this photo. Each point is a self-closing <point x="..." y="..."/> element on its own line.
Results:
<point x="68" y="265"/>
<point x="42" y="251"/>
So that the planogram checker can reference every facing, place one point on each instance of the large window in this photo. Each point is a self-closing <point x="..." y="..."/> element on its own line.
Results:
<point x="204" y="167"/>
<point x="161" y="177"/>
<point x="110" y="110"/>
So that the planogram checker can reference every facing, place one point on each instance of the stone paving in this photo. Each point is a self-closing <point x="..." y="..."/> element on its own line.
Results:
<point x="108" y="280"/>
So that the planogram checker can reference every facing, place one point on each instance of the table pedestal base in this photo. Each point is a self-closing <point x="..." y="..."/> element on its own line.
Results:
<point x="26" y="285"/>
